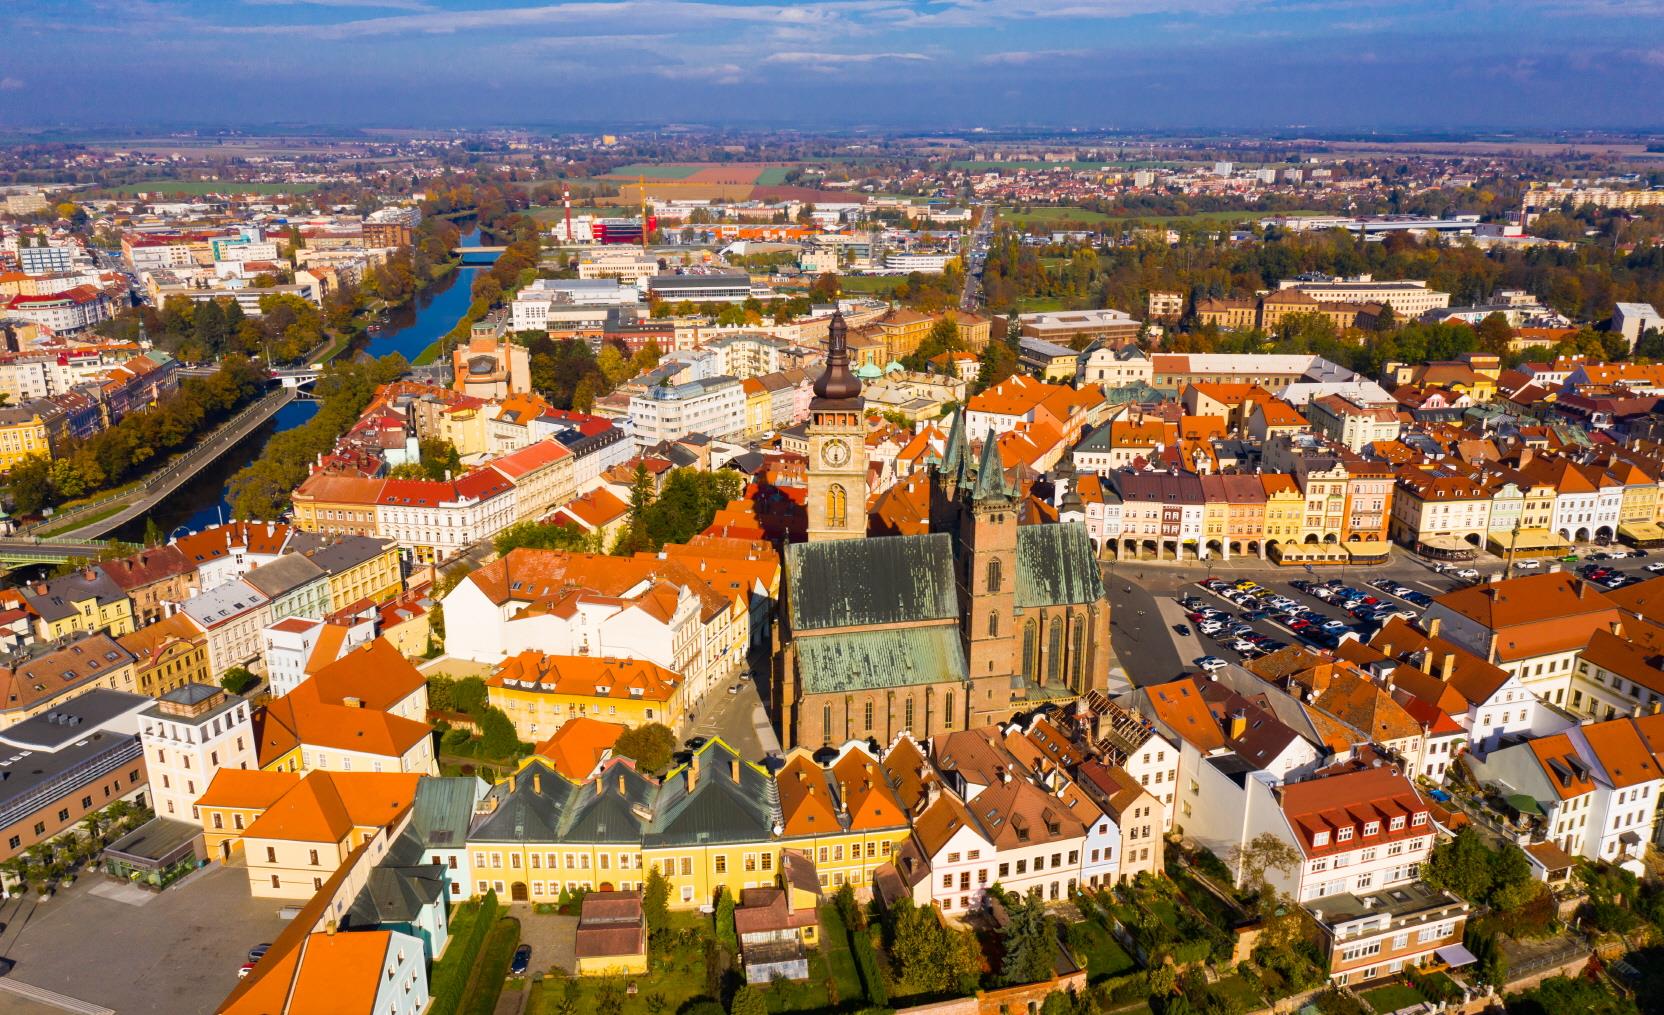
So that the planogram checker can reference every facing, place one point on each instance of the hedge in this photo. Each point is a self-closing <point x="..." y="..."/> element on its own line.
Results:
<point x="866" y="960"/>
<point x="451" y="972"/>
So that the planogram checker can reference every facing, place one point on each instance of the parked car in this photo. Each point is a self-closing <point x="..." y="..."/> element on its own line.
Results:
<point x="1656" y="566"/>
<point x="259" y="951"/>
<point x="244" y="970"/>
<point x="1211" y="663"/>
<point x="522" y="961"/>
<point x="1181" y="629"/>
<point x="1468" y="573"/>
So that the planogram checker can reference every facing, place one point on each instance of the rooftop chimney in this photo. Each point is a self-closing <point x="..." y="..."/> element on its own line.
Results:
<point x="1239" y="723"/>
<point x="1432" y="628"/>
<point x="693" y="772"/>
<point x="1447" y="666"/>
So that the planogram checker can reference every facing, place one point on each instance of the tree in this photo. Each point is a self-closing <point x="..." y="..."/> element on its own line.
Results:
<point x="238" y="679"/>
<point x="651" y="746"/>
<point x="152" y="532"/>
<point x="537" y="535"/>
<point x="825" y="288"/>
<point x="440" y="458"/>
<point x="498" y="738"/>
<point x="1030" y="943"/>
<point x="655" y="902"/>
<point x="726" y="936"/>
<point x="1495" y="333"/>
<point x="1263" y="854"/>
<point x="929" y="957"/>
<point x="748" y="1000"/>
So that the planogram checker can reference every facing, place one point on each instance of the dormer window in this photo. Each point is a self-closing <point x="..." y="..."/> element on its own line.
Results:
<point x="1344" y="834"/>
<point x="1320" y="838"/>
<point x="1397" y="823"/>
<point x="1373" y="828"/>
<point x="1419" y="819"/>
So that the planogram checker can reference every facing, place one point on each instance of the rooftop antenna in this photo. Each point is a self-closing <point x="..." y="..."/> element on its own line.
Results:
<point x="566" y="202"/>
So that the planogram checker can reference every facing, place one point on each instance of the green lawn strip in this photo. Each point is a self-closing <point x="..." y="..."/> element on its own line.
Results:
<point x="491" y="971"/>
<point x="1039" y="304"/>
<point x="1048" y="213"/>
<point x="1392" y="997"/>
<point x="840" y="961"/>
<point x="451" y="972"/>
<point x="82" y="521"/>
<point x="773" y="176"/>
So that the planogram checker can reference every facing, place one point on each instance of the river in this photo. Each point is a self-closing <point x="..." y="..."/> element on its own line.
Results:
<point x="406" y="330"/>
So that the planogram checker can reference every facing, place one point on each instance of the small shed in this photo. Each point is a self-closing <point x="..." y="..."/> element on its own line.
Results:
<point x="776" y="924"/>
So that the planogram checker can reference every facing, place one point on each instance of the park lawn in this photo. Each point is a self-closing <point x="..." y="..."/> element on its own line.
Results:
<point x="1392" y="997"/>
<point x="667" y="172"/>
<point x="1103" y="954"/>
<point x="200" y="187"/>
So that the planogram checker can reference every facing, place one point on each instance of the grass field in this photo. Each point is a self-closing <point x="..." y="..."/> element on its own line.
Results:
<point x="1039" y="304"/>
<point x="668" y="172"/>
<point x="200" y="187"/>
<point x="773" y="176"/>
<point x="875" y="285"/>
<point x="1052" y="215"/>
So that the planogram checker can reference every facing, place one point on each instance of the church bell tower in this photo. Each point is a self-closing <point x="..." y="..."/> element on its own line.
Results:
<point x="837" y="502"/>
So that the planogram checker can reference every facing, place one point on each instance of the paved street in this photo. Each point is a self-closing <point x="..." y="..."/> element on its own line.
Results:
<point x="175" y="952"/>
<point x="738" y="718"/>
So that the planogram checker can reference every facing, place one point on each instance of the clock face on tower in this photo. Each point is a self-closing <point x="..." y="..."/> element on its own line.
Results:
<point x="835" y="453"/>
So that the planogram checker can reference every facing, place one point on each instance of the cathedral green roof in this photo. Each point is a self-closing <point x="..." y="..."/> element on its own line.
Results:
<point x="871" y="581"/>
<point x="862" y="660"/>
<point x="1055" y="565"/>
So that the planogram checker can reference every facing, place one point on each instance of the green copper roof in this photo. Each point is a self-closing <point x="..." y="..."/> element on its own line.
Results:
<point x="956" y="456"/>
<point x="863" y="660"/>
<point x="1055" y="565"/>
<point x="871" y="581"/>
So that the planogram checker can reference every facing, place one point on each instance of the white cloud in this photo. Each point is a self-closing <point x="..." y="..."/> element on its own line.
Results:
<point x="816" y="58"/>
<point x="1024" y="57"/>
<point x="10" y="84"/>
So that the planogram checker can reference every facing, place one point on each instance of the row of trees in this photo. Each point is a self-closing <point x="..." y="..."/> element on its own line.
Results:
<point x="138" y="442"/>
<point x="261" y="489"/>
<point x="571" y="375"/>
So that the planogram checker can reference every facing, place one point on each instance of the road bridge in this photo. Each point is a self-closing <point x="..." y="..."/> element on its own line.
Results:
<point x="19" y="551"/>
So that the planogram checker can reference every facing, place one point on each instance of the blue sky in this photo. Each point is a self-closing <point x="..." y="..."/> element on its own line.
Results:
<point x="1136" y="64"/>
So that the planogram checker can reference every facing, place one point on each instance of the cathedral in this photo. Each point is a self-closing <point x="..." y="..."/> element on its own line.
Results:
<point x="961" y="626"/>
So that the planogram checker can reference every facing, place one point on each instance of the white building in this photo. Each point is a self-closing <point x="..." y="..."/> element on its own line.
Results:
<point x="712" y="406"/>
<point x="188" y="734"/>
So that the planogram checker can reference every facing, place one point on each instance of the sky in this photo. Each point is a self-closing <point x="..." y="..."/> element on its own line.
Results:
<point x="943" y="64"/>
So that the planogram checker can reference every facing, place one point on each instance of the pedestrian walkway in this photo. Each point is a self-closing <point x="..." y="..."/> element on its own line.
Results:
<point x="53" y="998"/>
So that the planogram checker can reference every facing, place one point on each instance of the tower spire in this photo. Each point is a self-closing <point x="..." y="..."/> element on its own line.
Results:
<point x="837" y="381"/>
<point x="990" y="474"/>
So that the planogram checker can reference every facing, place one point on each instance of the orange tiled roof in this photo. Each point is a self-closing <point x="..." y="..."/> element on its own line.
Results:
<point x="579" y="745"/>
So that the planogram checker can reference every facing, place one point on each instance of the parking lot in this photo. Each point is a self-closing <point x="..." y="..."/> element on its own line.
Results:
<point x="139" y="952"/>
<point x="1159" y="613"/>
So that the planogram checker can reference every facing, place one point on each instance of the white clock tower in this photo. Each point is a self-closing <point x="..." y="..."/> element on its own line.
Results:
<point x="837" y="446"/>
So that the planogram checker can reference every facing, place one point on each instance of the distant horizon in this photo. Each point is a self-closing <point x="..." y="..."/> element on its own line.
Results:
<point x="1134" y="65"/>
